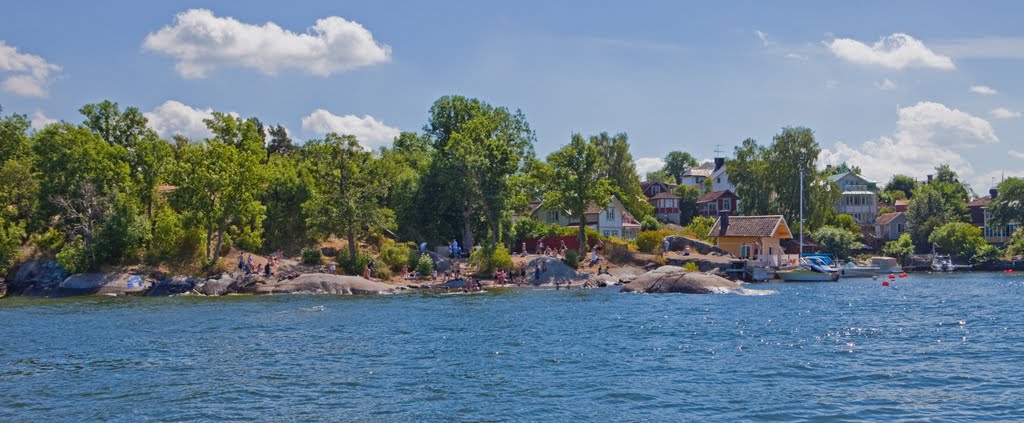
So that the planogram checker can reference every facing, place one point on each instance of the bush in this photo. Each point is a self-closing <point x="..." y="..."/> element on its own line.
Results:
<point x="74" y="257"/>
<point x="424" y="265"/>
<point x="958" y="238"/>
<point x="986" y="254"/>
<point x="691" y="267"/>
<point x="383" y="273"/>
<point x="168" y="235"/>
<point x="649" y="224"/>
<point x="50" y="242"/>
<point x="393" y="256"/>
<point x="699" y="228"/>
<point x="572" y="259"/>
<point x="353" y="267"/>
<point x="650" y="241"/>
<point x="312" y="256"/>
<point x="487" y="260"/>
<point x="837" y="241"/>
<point x="618" y="251"/>
<point x="10" y="240"/>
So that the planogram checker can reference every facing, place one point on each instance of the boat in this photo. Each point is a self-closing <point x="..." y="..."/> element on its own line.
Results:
<point x="875" y="266"/>
<point x="810" y="269"/>
<point x="945" y="264"/>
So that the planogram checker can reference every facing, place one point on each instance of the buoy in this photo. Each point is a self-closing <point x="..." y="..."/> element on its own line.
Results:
<point x="1009" y="271"/>
<point x="903" y="275"/>
<point x="885" y="283"/>
<point x="892" y="276"/>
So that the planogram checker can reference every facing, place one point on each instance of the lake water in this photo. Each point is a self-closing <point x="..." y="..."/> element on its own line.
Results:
<point x="931" y="347"/>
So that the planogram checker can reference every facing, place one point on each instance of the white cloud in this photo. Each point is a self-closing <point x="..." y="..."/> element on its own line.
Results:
<point x="796" y="56"/>
<point x="1004" y="113"/>
<point x="40" y="120"/>
<point x="925" y="137"/>
<point x="988" y="180"/>
<point x="886" y="85"/>
<point x="31" y="73"/>
<point x="1017" y="154"/>
<point x="200" y="41"/>
<point x="648" y="164"/>
<point x="983" y="90"/>
<point x="368" y="130"/>
<point x="764" y="38"/>
<point x="896" y="51"/>
<point x="175" y="118"/>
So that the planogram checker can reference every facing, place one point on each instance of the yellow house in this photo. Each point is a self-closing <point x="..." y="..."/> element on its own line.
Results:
<point x="756" y="237"/>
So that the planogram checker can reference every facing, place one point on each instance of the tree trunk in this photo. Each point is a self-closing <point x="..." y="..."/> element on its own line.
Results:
<point x="467" y="231"/>
<point x="352" y="248"/>
<point x="583" y="235"/>
<point x="220" y="242"/>
<point x="209" y="238"/>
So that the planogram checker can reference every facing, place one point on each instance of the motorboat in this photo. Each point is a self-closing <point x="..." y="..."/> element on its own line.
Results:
<point x="942" y="264"/>
<point x="810" y="269"/>
<point x="875" y="266"/>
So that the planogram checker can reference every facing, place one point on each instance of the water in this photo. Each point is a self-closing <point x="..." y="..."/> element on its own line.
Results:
<point x="935" y="347"/>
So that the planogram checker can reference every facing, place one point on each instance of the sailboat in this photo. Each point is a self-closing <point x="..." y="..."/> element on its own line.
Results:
<point x="809" y="269"/>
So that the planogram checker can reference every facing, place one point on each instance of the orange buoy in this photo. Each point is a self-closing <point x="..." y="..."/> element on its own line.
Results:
<point x="885" y="283"/>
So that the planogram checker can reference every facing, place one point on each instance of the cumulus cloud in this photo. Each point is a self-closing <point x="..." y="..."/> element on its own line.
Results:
<point x="368" y="130"/>
<point x="200" y="41"/>
<point x="896" y="51"/>
<point x="175" y="118"/>
<point x="40" y="120"/>
<point x="925" y="136"/>
<point x="886" y="85"/>
<point x="1004" y="113"/>
<point x="1017" y="154"/>
<point x="30" y="73"/>
<point x="648" y="164"/>
<point x="983" y="90"/>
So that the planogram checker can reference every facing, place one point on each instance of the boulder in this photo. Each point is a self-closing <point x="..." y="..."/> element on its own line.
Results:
<point x="37" y="277"/>
<point x="219" y="285"/>
<point x="103" y="284"/>
<point x="604" y="280"/>
<point x="679" y="243"/>
<point x="323" y="283"/>
<point x="674" y="279"/>
<point x="441" y="262"/>
<point x="173" y="285"/>
<point x="554" y="271"/>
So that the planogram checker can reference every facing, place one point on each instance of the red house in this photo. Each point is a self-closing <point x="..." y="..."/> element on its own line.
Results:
<point x="710" y="204"/>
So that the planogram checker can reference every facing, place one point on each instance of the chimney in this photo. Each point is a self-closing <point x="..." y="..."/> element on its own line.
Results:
<point x="993" y="192"/>
<point x="929" y="179"/>
<point x="723" y="222"/>
<point x="719" y="162"/>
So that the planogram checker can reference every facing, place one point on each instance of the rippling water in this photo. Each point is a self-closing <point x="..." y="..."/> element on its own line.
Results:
<point x="932" y="347"/>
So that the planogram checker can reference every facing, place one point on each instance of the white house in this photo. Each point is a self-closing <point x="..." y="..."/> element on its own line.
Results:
<point x="612" y="221"/>
<point x="720" y="177"/>
<point x="695" y="176"/>
<point x="859" y="197"/>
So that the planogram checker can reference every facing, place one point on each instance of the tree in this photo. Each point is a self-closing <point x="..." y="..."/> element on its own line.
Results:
<point x="1015" y="246"/>
<point x="748" y="171"/>
<point x="114" y="126"/>
<point x="348" y="190"/>
<point x="958" y="238"/>
<point x="218" y="184"/>
<point x="688" y="197"/>
<point x="620" y="170"/>
<point x="289" y="186"/>
<point x="700" y="227"/>
<point x="660" y="175"/>
<point x="14" y="141"/>
<point x="837" y="241"/>
<point x="1008" y="205"/>
<point x="279" y="143"/>
<point x="926" y="211"/>
<point x="903" y="184"/>
<point x="846" y="221"/>
<point x="954" y="193"/>
<point x="677" y="163"/>
<point x="577" y="182"/>
<point x="11" y="236"/>
<point x="899" y="248"/>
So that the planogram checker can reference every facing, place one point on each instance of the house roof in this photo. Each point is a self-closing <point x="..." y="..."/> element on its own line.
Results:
<point x="902" y="202"/>
<point x="753" y="226"/>
<point x="698" y="171"/>
<point x="858" y="192"/>
<point x="712" y="196"/>
<point x="980" y="202"/>
<point x="838" y="176"/>
<point x="665" y="195"/>
<point x="884" y="219"/>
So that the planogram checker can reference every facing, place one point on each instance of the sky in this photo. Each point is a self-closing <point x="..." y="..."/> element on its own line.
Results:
<point x="892" y="87"/>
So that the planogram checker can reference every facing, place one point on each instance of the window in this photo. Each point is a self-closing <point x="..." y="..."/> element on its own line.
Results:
<point x="609" y="214"/>
<point x="606" y="233"/>
<point x="552" y="215"/>
<point x="655" y="189"/>
<point x="718" y="179"/>
<point x="726" y="204"/>
<point x="712" y="207"/>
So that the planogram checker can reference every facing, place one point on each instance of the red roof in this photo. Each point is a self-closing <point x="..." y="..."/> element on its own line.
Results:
<point x="980" y="202"/>
<point x="886" y="218"/>
<point x="712" y="196"/>
<point x="752" y="226"/>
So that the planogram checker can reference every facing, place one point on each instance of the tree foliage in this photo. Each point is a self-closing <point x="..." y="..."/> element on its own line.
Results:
<point x="958" y="238"/>
<point x="903" y="184"/>
<point x="837" y="241"/>
<point x="677" y="163"/>
<point x="899" y="248"/>
<point x="619" y="169"/>
<point x="577" y="181"/>
<point x="1008" y="206"/>
<point x="688" y="197"/>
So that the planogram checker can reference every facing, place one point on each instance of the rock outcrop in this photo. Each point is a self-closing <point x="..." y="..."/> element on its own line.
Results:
<point x="165" y="286"/>
<point x="674" y="279"/>
<point x="103" y="284"/>
<point x="679" y="243"/>
<point x="323" y="283"/>
<point x="552" y="270"/>
<point x="37" y="277"/>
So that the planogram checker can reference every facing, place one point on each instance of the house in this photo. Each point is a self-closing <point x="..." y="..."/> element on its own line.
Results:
<point x="980" y="217"/>
<point x="901" y="205"/>
<point x="666" y="207"/>
<point x="859" y="197"/>
<point x="652" y="188"/>
<point x="758" y="237"/>
<point x="695" y="176"/>
<point x="890" y="226"/>
<point x="715" y="203"/>
<point x="976" y="208"/>
<point x="720" y="177"/>
<point x="612" y="221"/>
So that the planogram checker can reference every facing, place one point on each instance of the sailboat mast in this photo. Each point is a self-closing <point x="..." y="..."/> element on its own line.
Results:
<point x="801" y="254"/>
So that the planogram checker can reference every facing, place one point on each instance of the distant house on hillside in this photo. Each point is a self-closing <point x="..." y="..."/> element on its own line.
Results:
<point x="715" y="203"/>
<point x="859" y="197"/>
<point x="666" y="207"/>
<point x="720" y="176"/>
<point x="890" y="226"/>
<point x="696" y="175"/>
<point x="652" y="188"/>
<point x="981" y="218"/>
<point x="757" y="237"/>
<point x="612" y="221"/>
<point x="901" y="205"/>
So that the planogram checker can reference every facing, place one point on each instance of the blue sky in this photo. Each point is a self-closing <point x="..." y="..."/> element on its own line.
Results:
<point x="675" y="76"/>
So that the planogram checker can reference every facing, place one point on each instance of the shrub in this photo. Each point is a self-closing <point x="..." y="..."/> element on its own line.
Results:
<point x="699" y="228"/>
<point x="986" y="254"/>
<point x="353" y="267"/>
<point x="572" y="259"/>
<point x="661" y="260"/>
<point x="10" y="240"/>
<point x="74" y="257"/>
<point x="424" y="265"/>
<point x="650" y="241"/>
<point x="383" y="273"/>
<point x="618" y="251"/>
<point x="650" y="224"/>
<point x="168" y="234"/>
<point x="958" y="238"/>
<point x="50" y="242"/>
<point x="312" y="256"/>
<point x="393" y="256"/>
<point x="691" y="267"/>
<point x="487" y="260"/>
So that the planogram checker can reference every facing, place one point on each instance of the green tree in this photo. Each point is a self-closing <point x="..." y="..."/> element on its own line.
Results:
<point x="926" y="211"/>
<point x="11" y="236"/>
<point x="280" y="142"/>
<point x="1008" y="206"/>
<point x="958" y="238"/>
<point x="900" y="248"/>
<point x="700" y="227"/>
<point x="677" y="163"/>
<point x="578" y="181"/>
<point x="348" y="190"/>
<point x="620" y="170"/>
<point x="748" y="171"/>
<point x="1015" y="246"/>
<point x="837" y="241"/>
<point x="288" y="187"/>
<point x="846" y="221"/>
<point x="688" y="197"/>
<point x="114" y="126"/>
<point x="660" y="175"/>
<point x="14" y="140"/>
<point x="901" y="183"/>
